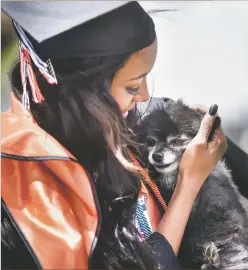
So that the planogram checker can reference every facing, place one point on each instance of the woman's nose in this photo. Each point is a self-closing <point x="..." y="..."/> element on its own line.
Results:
<point x="143" y="94"/>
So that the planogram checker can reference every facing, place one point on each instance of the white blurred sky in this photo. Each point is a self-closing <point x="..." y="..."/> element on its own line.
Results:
<point x="203" y="57"/>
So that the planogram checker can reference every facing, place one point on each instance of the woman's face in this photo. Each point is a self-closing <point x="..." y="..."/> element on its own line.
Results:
<point x="129" y="84"/>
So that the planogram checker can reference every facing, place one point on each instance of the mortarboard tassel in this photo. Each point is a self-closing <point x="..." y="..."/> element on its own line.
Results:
<point x="36" y="92"/>
<point x="44" y="68"/>
<point x="24" y="75"/>
<point x="27" y="53"/>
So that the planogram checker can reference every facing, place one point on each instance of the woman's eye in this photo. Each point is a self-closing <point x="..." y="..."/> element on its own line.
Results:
<point x="133" y="91"/>
<point x="151" y="141"/>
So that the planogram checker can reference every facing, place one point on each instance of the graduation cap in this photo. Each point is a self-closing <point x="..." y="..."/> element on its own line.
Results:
<point x="60" y="29"/>
<point x="63" y="29"/>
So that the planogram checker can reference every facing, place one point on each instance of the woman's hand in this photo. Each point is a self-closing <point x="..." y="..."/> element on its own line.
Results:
<point x="201" y="156"/>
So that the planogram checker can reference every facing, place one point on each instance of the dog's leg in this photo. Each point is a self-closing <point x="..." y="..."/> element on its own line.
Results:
<point x="210" y="256"/>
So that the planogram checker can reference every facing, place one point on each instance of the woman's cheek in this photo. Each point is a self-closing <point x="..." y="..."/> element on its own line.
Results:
<point x="123" y="98"/>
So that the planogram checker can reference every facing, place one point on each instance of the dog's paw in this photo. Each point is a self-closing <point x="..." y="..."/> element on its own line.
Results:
<point x="210" y="256"/>
<point x="211" y="252"/>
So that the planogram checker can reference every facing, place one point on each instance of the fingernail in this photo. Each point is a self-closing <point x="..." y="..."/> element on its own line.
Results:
<point x="213" y="110"/>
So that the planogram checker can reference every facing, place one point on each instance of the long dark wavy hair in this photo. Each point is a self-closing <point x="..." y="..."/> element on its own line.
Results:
<point x="82" y="115"/>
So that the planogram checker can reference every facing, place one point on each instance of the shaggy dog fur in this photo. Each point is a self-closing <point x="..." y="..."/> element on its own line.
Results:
<point x="216" y="235"/>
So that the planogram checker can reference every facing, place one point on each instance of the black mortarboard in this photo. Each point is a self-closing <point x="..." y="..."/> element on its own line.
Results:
<point x="61" y="29"/>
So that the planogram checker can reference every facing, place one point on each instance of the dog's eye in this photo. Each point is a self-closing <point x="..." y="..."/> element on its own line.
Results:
<point x="177" y="142"/>
<point x="151" y="141"/>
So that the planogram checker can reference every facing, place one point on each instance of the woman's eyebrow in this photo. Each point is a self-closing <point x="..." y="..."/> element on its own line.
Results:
<point x="140" y="76"/>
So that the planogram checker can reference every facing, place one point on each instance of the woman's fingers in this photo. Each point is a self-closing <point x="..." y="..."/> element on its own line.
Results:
<point x="206" y="125"/>
<point x="199" y="107"/>
<point x="220" y="135"/>
<point x="219" y="143"/>
<point x="202" y="108"/>
<point x="201" y="156"/>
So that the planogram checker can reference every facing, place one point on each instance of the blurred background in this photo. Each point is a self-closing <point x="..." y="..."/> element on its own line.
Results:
<point x="9" y="54"/>
<point x="202" y="58"/>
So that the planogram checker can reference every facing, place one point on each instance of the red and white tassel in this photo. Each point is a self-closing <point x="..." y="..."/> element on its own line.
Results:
<point x="36" y="92"/>
<point x="23" y="71"/>
<point x="27" y="72"/>
<point x="27" y="53"/>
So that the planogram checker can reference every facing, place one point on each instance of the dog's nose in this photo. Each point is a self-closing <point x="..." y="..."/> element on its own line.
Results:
<point x="157" y="157"/>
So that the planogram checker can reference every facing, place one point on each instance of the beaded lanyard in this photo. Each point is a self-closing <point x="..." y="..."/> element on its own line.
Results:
<point x="141" y="211"/>
<point x="148" y="181"/>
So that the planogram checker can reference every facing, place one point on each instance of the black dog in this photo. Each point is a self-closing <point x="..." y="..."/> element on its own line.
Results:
<point x="216" y="235"/>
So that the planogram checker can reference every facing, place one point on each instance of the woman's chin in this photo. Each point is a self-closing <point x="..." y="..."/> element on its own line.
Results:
<point x="125" y="114"/>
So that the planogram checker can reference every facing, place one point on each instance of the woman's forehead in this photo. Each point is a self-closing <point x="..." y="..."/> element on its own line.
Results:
<point x="139" y="64"/>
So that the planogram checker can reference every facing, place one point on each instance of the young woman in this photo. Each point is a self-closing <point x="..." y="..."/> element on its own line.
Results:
<point x="73" y="196"/>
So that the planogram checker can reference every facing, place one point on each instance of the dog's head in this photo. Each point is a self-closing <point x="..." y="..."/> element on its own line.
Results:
<point x="166" y="132"/>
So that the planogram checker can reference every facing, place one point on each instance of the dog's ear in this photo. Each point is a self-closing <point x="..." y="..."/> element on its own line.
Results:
<point x="167" y="100"/>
